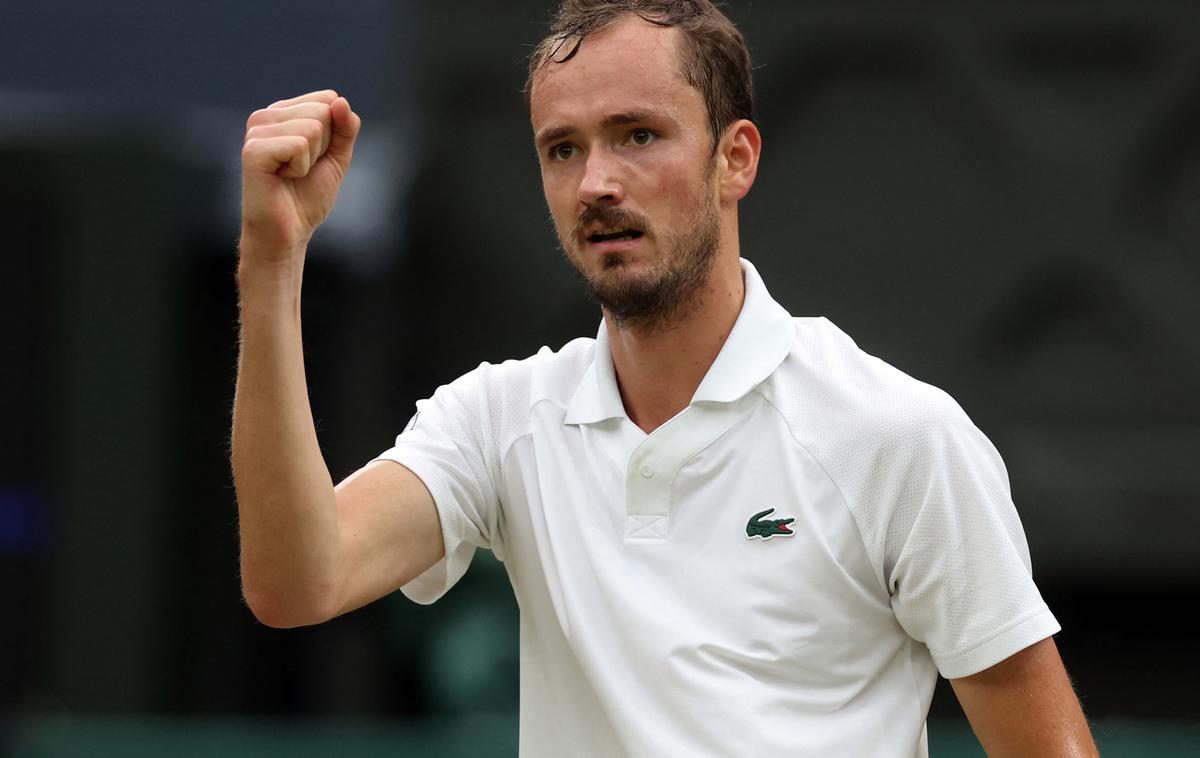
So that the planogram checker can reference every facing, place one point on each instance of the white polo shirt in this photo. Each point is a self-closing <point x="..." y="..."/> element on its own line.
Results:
<point x="664" y="611"/>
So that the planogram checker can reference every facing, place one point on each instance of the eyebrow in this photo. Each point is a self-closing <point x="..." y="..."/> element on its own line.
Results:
<point x="614" y="119"/>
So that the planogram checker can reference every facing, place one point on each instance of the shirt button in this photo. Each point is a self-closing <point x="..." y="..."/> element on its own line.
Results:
<point x="647" y="470"/>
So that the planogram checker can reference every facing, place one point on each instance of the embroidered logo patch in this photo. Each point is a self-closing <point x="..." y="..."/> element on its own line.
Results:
<point x="768" y="528"/>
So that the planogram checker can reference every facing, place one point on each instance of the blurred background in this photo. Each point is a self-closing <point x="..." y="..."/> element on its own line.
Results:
<point x="997" y="197"/>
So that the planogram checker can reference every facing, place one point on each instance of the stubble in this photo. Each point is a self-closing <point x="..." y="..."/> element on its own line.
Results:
<point x="664" y="293"/>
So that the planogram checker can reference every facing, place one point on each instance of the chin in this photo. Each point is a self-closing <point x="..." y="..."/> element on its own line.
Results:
<point x="615" y="262"/>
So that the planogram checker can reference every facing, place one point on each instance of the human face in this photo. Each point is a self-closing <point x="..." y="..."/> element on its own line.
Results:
<point x="628" y="171"/>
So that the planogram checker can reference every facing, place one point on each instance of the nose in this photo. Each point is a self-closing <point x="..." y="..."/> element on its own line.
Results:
<point x="599" y="182"/>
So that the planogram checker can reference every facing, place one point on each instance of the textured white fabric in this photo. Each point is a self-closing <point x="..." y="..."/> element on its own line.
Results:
<point x="652" y="624"/>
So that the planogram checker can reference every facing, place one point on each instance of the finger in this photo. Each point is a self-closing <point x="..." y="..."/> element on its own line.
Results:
<point x="346" y="126"/>
<point x="319" y="111"/>
<point x="326" y="96"/>
<point x="316" y="133"/>
<point x="286" y="156"/>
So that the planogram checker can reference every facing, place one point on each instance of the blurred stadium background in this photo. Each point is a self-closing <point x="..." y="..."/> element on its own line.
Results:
<point x="998" y="197"/>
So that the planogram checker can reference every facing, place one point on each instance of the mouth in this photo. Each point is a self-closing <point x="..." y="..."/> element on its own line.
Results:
<point x="613" y="239"/>
<point x="613" y="233"/>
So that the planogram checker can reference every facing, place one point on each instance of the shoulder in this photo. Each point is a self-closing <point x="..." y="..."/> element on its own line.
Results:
<point x="888" y="441"/>
<point x="511" y="388"/>
<point x="828" y="382"/>
<point x="548" y="374"/>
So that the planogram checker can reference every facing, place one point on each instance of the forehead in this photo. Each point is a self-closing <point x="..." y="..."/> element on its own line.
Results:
<point x="629" y="65"/>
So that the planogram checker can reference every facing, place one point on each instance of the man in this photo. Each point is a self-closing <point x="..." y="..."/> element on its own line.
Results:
<point x="730" y="532"/>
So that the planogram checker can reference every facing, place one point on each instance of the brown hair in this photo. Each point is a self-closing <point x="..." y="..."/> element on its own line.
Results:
<point x="713" y="54"/>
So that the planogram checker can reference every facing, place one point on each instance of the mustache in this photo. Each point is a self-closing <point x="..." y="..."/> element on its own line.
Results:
<point x="606" y="216"/>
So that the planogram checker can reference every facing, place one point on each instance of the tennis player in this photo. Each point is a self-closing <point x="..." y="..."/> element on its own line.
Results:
<point x="730" y="531"/>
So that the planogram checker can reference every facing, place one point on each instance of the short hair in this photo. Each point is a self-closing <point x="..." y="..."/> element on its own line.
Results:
<point x="714" y="57"/>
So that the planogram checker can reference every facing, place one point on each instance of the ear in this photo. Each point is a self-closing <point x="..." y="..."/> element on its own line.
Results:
<point x="739" y="151"/>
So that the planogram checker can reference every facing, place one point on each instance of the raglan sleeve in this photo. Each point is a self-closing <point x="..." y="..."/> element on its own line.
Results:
<point x="448" y="444"/>
<point x="956" y="560"/>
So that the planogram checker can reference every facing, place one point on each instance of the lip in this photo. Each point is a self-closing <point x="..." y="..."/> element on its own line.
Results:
<point x="613" y="246"/>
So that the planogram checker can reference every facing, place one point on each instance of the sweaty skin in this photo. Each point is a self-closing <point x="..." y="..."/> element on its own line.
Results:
<point x="617" y="127"/>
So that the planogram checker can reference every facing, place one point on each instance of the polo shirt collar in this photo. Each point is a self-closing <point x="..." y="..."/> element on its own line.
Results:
<point x="760" y="340"/>
<point x="597" y="397"/>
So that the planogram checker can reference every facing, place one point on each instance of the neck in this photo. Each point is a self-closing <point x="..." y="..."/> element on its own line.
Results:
<point x="660" y="366"/>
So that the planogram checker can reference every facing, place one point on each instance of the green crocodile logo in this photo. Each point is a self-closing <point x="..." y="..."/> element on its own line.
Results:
<point x="766" y="529"/>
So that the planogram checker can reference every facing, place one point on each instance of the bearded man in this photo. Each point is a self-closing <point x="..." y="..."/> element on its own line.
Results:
<point x="730" y="532"/>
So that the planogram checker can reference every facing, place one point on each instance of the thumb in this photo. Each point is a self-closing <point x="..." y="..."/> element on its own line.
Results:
<point x="346" y="124"/>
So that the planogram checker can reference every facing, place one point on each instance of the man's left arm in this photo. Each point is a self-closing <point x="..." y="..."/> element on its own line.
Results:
<point x="1025" y="706"/>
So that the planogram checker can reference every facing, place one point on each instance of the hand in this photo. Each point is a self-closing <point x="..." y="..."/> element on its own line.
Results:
<point x="295" y="155"/>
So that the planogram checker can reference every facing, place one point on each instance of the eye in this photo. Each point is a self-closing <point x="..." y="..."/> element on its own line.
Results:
<point x="562" y="151"/>
<point x="642" y="137"/>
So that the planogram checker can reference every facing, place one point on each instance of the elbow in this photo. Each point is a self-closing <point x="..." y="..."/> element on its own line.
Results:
<point x="279" y="612"/>
<point x="277" y="617"/>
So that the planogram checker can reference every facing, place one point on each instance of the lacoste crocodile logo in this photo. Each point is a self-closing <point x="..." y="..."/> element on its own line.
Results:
<point x="766" y="529"/>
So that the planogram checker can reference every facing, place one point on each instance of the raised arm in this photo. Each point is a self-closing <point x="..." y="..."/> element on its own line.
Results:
<point x="1025" y="707"/>
<point x="308" y="551"/>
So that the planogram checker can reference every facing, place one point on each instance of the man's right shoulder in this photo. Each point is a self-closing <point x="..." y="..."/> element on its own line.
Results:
<point x="519" y="384"/>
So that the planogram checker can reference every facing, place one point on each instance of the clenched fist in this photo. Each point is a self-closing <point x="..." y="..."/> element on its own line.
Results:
<point x="295" y="155"/>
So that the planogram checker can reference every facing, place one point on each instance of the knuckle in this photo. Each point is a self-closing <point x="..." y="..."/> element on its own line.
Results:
<point x="299" y="149"/>
<point x="256" y="118"/>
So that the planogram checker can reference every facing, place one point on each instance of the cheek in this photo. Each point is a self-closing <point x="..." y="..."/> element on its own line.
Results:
<point x="677" y="181"/>
<point x="678" y="190"/>
<point x="559" y="202"/>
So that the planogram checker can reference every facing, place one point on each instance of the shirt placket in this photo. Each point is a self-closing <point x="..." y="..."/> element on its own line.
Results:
<point x="654" y="464"/>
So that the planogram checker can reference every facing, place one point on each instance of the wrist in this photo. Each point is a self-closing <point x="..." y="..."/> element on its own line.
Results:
<point x="259" y="262"/>
<point x="269" y="284"/>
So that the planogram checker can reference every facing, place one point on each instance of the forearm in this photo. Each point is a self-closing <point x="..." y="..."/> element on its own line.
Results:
<point x="286" y="507"/>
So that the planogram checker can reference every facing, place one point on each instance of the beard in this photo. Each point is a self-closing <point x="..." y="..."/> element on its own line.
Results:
<point x="663" y="293"/>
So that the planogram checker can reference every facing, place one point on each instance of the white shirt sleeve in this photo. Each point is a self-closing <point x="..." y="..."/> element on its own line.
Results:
<point x="448" y="445"/>
<point x="956" y="560"/>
